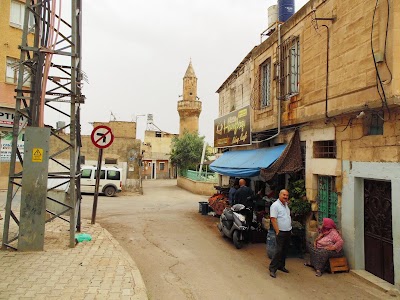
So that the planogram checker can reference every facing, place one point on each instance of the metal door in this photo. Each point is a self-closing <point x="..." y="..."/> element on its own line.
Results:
<point x="378" y="237"/>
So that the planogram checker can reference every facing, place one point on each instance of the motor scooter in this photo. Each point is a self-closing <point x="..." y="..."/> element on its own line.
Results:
<point x="235" y="222"/>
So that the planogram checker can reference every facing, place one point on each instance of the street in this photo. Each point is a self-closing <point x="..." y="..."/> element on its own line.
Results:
<point x="181" y="254"/>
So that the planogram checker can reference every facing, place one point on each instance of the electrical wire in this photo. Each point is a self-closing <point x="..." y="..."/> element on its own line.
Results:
<point x="384" y="51"/>
<point x="349" y="123"/>
<point x="379" y="83"/>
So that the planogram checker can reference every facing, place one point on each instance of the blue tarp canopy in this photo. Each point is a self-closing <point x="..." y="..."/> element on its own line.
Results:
<point x="246" y="163"/>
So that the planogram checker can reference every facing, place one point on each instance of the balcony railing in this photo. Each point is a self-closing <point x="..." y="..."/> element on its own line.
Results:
<point x="188" y="104"/>
<point x="204" y="176"/>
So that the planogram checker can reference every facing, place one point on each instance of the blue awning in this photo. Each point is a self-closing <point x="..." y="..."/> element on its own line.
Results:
<point x="246" y="163"/>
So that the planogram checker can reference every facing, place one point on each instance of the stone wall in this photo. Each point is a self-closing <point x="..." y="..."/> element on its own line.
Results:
<point x="196" y="187"/>
<point x="236" y="91"/>
<point x="126" y="152"/>
<point x="120" y="129"/>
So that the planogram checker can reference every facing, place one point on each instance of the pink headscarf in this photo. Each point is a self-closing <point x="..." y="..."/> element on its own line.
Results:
<point x="327" y="225"/>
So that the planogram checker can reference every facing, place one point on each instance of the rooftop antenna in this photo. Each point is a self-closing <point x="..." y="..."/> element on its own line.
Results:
<point x="112" y="116"/>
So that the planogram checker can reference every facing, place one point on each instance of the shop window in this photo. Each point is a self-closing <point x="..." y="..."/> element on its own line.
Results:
<point x="12" y="72"/>
<point x="373" y="124"/>
<point x="17" y="13"/>
<point x="162" y="166"/>
<point x="327" y="198"/>
<point x="325" y="149"/>
<point x="289" y="67"/>
<point x="266" y="83"/>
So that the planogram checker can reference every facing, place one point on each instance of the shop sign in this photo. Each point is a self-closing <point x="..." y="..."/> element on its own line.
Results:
<point x="7" y="117"/>
<point x="5" y="147"/>
<point x="233" y="129"/>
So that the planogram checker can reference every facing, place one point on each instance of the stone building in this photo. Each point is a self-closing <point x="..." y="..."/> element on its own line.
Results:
<point x="156" y="152"/>
<point x="331" y="73"/>
<point x="11" y="24"/>
<point x="189" y="108"/>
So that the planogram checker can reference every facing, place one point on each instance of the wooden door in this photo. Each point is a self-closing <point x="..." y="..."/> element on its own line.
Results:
<point x="378" y="237"/>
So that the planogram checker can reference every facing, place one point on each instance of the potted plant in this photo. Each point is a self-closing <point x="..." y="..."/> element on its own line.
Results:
<point x="300" y="208"/>
<point x="298" y="204"/>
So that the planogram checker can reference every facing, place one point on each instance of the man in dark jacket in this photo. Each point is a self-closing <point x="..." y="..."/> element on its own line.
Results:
<point x="243" y="193"/>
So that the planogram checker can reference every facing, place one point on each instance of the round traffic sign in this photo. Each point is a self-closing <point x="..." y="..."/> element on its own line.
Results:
<point x="102" y="136"/>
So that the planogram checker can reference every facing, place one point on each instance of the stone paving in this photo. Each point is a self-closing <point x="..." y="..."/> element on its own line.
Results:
<point x="97" y="269"/>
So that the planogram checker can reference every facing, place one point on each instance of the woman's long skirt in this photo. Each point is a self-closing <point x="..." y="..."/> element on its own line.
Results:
<point x="319" y="258"/>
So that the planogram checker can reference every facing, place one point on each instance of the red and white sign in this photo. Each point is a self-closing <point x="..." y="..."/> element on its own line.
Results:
<point x="102" y="136"/>
<point x="7" y="117"/>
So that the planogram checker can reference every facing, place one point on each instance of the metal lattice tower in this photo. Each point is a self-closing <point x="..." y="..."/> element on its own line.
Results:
<point x="52" y="63"/>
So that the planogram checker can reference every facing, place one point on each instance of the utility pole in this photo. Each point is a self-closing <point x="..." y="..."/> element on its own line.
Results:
<point x="51" y="57"/>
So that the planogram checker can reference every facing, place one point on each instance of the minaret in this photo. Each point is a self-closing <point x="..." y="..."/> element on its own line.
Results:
<point x="189" y="108"/>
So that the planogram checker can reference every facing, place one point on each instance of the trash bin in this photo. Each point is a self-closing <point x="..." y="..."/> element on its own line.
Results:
<point x="201" y="206"/>
<point x="204" y="208"/>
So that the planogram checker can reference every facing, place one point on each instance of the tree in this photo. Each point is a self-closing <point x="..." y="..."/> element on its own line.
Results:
<point x="187" y="150"/>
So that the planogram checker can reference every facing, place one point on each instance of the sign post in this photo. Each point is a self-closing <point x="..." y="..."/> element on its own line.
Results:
<point x="102" y="137"/>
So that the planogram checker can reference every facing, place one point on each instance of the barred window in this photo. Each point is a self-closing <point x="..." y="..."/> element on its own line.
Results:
<point x="325" y="149"/>
<point x="294" y="61"/>
<point x="289" y="67"/>
<point x="374" y="124"/>
<point x="266" y="83"/>
<point x="327" y="198"/>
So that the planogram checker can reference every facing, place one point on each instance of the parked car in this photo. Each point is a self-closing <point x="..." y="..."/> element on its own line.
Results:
<point x="110" y="180"/>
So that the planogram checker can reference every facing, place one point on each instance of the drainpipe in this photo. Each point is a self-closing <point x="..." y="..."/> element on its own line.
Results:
<point x="333" y="19"/>
<point x="327" y="72"/>
<point x="278" y="90"/>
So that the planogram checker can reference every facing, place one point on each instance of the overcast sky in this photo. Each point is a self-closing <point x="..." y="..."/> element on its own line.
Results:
<point x="135" y="54"/>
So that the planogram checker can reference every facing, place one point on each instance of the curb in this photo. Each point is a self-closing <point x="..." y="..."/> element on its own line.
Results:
<point x="140" y="287"/>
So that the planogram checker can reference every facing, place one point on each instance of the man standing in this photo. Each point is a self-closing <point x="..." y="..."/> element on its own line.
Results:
<point x="282" y="224"/>
<point x="243" y="193"/>
<point x="232" y="192"/>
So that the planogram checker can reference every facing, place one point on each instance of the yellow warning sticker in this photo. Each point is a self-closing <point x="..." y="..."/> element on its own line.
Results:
<point x="37" y="155"/>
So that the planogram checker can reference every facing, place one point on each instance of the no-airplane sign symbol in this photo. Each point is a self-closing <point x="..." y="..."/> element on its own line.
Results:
<point x="102" y="136"/>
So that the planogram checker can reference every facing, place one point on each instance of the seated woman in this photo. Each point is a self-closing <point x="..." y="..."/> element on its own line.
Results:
<point x="328" y="244"/>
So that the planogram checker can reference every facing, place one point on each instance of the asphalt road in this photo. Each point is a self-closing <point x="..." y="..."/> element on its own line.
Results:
<point x="181" y="254"/>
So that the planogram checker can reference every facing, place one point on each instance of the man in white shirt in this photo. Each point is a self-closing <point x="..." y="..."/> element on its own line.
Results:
<point x="282" y="224"/>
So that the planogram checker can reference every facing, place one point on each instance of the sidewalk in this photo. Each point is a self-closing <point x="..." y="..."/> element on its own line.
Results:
<point x="99" y="269"/>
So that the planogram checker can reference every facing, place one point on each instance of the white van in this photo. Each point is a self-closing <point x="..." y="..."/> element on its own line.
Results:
<point x="110" y="180"/>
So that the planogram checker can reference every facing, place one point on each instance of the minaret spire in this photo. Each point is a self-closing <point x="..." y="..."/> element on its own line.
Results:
<point x="189" y="108"/>
<point x="190" y="71"/>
